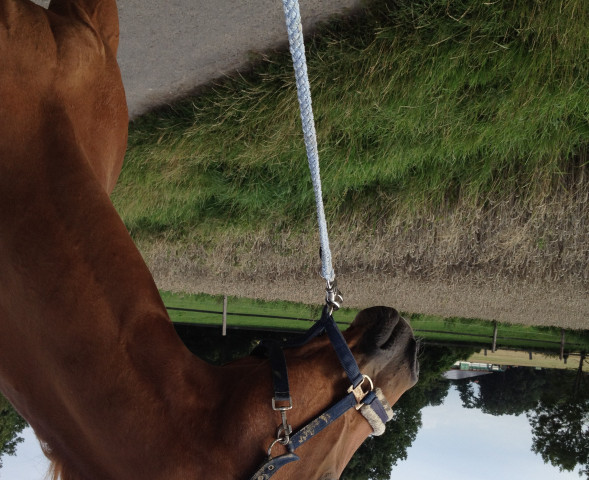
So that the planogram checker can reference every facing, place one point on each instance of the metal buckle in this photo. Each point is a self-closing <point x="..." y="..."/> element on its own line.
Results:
<point x="359" y="393"/>
<point x="280" y="409"/>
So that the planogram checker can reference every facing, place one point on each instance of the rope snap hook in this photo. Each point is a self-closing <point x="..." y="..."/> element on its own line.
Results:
<point x="333" y="297"/>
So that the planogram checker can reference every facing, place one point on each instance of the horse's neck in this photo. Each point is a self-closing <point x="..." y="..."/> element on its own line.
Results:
<point x="87" y="352"/>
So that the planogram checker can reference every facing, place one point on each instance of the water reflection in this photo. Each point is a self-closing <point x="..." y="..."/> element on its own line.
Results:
<point x="503" y="424"/>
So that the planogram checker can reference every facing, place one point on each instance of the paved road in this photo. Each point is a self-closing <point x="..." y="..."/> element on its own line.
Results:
<point x="169" y="47"/>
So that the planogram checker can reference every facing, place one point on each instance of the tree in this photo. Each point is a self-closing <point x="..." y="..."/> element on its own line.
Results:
<point x="11" y="424"/>
<point x="561" y="434"/>
<point x="512" y="392"/>
<point x="560" y="423"/>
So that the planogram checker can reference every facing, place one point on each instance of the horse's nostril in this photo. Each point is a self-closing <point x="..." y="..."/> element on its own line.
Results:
<point x="374" y="315"/>
<point x="399" y="327"/>
<point x="386" y="332"/>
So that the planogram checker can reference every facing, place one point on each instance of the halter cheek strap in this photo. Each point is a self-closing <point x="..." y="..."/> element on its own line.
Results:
<point x="361" y="395"/>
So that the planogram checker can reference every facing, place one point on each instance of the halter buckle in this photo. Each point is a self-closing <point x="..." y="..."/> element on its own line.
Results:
<point x="359" y="393"/>
<point x="281" y="408"/>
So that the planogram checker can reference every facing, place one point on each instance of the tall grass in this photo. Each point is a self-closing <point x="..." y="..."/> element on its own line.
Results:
<point x="418" y="103"/>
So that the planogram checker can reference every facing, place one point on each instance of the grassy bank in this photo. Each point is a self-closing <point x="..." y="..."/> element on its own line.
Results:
<point x="419" y="105"/>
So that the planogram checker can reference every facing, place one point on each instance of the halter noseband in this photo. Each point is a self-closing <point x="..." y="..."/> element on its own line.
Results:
<point x="361" y="394"/>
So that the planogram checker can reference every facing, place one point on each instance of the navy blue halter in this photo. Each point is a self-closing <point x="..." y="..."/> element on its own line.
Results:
<point x="282" y="401"/>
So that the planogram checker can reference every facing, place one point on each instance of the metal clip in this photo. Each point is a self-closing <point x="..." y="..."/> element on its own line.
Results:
<point x="359" y="393"/>
<point x="333" y="297"/>
<point x="284" y="430"/>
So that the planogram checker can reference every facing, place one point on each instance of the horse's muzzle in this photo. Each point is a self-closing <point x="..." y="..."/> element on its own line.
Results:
<point x="387" y="336"/>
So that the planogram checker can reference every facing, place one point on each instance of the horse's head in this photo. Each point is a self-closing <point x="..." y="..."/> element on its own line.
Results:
<point x="383" y="345"/>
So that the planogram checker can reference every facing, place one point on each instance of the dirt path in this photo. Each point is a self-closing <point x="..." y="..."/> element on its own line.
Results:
<point x="564" y="306"/>
<point x="462" y="264"/>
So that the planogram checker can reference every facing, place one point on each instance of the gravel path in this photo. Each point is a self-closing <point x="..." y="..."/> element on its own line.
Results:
<point x="269" y="277"/>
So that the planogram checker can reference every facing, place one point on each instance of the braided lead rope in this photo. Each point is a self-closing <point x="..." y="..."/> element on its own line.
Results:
<point x="297" y="51"/>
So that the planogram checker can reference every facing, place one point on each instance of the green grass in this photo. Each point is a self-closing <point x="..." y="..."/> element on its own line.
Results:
<point x="508" y="335"/>
<point x="425" y="326"/>
<point x="419" y="104"/>
<point x="235" y="306"/>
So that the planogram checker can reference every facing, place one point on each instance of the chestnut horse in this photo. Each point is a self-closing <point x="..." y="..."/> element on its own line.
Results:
<point x="88" y="354"/>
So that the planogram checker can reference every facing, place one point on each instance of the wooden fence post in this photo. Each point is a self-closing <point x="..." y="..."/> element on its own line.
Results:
<point x="562" y="344"/>
<point x="494" y="349"/>
<point x="224" y="330"/>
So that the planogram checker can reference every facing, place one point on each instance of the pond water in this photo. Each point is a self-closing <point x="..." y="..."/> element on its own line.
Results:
<point x="521" y="423"/>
